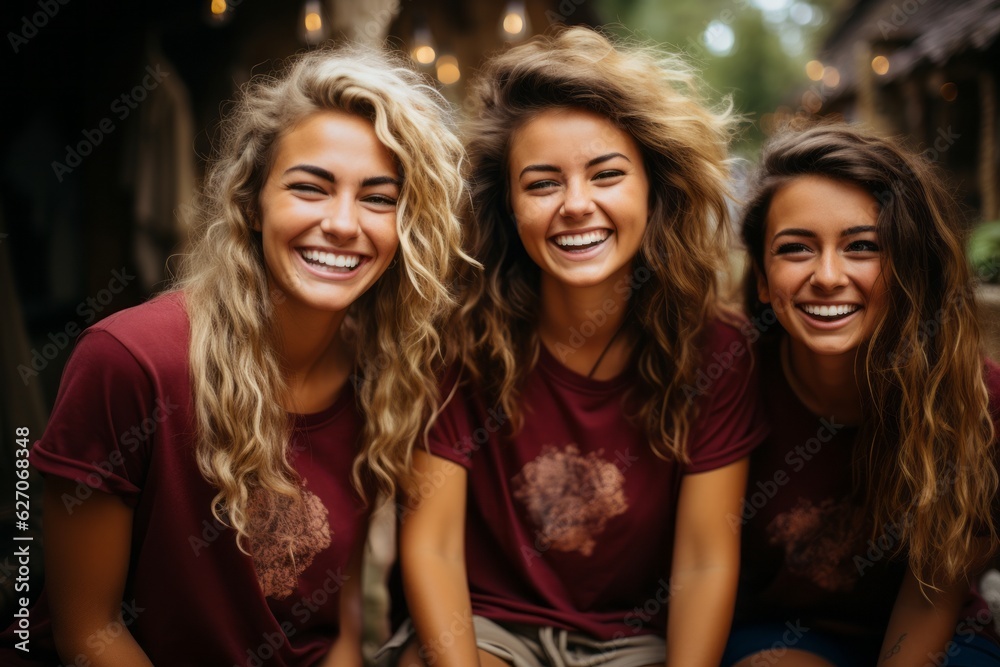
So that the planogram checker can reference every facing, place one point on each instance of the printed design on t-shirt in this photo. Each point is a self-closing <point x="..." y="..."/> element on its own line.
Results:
<point x="570" y="497"/>
<point x="288" y="535"/>
<point x="820" y="542"/>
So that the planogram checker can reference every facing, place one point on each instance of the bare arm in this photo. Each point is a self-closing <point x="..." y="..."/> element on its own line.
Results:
<point x="432" y="553"/>
<point x="920" y="629"/>
<point x="87" y="550"/>
<point x="346" y="649"/>
<point x="706" y="566"/>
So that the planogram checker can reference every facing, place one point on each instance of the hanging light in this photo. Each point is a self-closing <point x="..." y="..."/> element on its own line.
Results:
<point x="423" y="46"/>
<point x="312" y="27"/>
<point x="514" y="23"/>
<point x="447" y="69"/>
<point x="880" y="65"/>
<point x="219" y="12"/>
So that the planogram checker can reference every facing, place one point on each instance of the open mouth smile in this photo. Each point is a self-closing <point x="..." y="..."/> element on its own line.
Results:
<point x="831" y="313"/>
<point x="581" y="243"/>
<point x="329" y="262"/>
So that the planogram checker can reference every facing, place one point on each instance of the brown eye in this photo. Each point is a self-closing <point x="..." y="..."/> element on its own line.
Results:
<point x="305" y="187"/>
<point x="788" y="248"/>
<point x="381" y="200"/>
<point x="863" y="246"/>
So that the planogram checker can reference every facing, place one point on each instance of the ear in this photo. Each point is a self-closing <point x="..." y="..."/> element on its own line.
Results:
<point x="253" y="220"/>
<point x="763" y="291"/>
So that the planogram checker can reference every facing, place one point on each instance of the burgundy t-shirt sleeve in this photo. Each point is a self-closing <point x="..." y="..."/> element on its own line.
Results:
<point x="731" y="422"/>
<point x="991" y="373"/>
<point x="451" y="434"/>
<point x="104" y="411"/>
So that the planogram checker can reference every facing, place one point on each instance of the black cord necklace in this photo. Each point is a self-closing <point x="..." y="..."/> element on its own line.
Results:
<point x="607" y="347"/>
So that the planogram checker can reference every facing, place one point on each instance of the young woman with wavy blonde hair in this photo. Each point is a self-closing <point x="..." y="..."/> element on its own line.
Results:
<point x="210" y="452"/>
<point x="580" y="476"/>
<point x="873" y="500"/>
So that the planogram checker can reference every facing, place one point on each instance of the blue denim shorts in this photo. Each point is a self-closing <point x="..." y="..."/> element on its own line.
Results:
<point x="768" y="641"/>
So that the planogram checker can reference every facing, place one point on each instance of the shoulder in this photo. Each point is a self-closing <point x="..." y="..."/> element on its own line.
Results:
<point x="725" y="335"/>
<point x="726" y="354"/>
<point x="155" y="335"/>
<point x="991" y="375"/>
<point x="163" y="315"/>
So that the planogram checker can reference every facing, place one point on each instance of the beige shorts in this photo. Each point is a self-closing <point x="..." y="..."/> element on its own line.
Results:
<point x="530" y="646"/>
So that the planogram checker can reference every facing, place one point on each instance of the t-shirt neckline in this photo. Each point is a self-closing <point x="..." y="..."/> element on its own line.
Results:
<point x="314" y="419"/>
<point x="550" y="365"/>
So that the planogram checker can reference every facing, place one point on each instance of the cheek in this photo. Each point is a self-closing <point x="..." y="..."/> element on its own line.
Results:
<point x="385" y="237"/>
<point x="782" y="283"/>
<point x="530" y="211"/>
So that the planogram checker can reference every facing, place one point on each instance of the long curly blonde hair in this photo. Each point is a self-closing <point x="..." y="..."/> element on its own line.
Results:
<point x="655" y="98"/>
<point x="929" y="468"/>
<point x="237" y="379"/>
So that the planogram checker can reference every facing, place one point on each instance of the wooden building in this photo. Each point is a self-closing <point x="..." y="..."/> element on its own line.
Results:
<point x="926" y="70"/>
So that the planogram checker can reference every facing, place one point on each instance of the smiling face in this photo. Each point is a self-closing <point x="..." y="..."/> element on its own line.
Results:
<point x="823" y="264"/>
<point x="580" y="196"/>
<point x="328" y="211"/>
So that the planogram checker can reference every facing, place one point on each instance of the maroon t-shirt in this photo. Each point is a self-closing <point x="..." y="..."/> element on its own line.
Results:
<point x="123" y="424"/>
<point x="570" y="523"/>
<point x="808" y="550"/>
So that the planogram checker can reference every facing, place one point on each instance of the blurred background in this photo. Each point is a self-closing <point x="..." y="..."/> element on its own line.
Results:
<point x="109" y="115"/>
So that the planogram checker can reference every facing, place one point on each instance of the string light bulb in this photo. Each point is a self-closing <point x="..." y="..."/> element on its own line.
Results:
<point x="312" y="27"/>
<point x="219" y="12"/>
<point x="514" y="22"/>
<point x="423" y="46"/>
<point x="447" y="70"/>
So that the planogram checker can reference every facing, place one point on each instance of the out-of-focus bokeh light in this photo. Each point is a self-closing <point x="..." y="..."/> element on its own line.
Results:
<point x="801" y="13"/>
<point x="814" y="70"/>
<point x="424" y="54"/>
<point x="811" y="102"/>
<point x="513" y="24"/>
<point x="831" y="77"/>
<point x="219" y="7"/>
<point x="771" y="5"/>
<point x="719" y="38"/>
<point x="949" y="92"/>
<point x="880" y="65"/>
<point x="447" y="70"/>
<point x="313" y="22"/>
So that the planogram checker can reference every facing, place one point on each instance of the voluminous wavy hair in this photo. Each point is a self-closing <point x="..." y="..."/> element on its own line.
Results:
<point x="655" y="98"/>
<point x="929" y="468"/>
<point x="235" y="355"/>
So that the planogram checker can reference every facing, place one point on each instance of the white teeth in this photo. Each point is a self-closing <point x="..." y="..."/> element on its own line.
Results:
<point x="572" y="240"/>
<point x="829" y="311"/>
<point x="332" y="259"/>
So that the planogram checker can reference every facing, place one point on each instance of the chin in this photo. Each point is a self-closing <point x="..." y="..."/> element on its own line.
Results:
<point x="831" y="349"/>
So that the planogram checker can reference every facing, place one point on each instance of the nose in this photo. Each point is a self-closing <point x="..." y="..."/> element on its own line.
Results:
<point x="829" y="272"/>
<point x="577" y="203"/>
<point x="341" y="219"/>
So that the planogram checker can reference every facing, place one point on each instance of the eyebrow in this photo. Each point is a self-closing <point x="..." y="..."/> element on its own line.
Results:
<point x="381" y="180"/>
<point x="591" y="163"/>
<point x="319" y="172"/>
<point x="850" y="231"/>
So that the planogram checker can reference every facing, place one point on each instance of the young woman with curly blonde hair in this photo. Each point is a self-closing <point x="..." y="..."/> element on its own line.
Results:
<point x="873" y="501"/>
<point x="211" y="452"/>
<point x="580" y="476"/>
